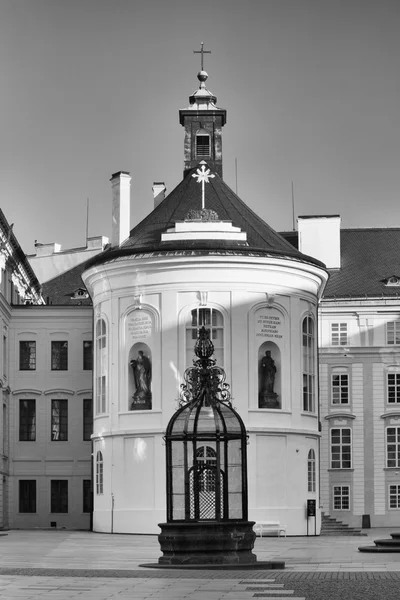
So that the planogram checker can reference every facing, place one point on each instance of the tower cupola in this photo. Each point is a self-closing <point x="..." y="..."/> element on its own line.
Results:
<point x="203" y="122"/>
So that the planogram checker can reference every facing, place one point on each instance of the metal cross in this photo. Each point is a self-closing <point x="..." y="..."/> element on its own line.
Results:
<point x="202" y="52"/>
<point x="203" y="176"/>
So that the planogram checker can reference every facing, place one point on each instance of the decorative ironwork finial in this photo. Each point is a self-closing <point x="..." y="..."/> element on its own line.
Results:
<point x="203" y="176"/>
<point x="205" y="380"/>
<point x="204" y="348"/>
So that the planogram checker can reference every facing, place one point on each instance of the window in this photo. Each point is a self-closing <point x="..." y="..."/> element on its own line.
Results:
<point x="27" y="496"/>
<point x="341" y="448"/>
<point x="27" y="356"/>
<point x="87" y="419"/>
<point x="393" y="388"/>
<point x="211" y="319"/>
<point x="394" y="496"/>
<point x="59" y="420"/>
<point x="339" y="334"/>
<point x="59" y="356"/>
<point x="27" y="420"/>
<point x="341" y="497"/>
<point x="311" y="470"/>
<point x="87" y="355"/>
<point x="101" y="366"/>
<point x="202" y="143"/>
<point x="393" y="333"/>
<point x="87" y="496"/>
<point x="393" y="447"/>
<point x="308" y="364"/>
<point x="340" y="388"/>
<point x="99" y="473"/>
<point x="5" y="356"/>
<point x="59" y="496"/>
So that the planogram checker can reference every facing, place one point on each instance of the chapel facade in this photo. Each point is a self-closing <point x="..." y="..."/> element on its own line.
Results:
<point x="203" y="258"/>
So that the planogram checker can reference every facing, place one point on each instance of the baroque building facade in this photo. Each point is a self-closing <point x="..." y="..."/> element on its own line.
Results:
<point x="290" y="315"/>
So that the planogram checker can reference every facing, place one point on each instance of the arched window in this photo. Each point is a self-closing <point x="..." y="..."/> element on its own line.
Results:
<point x="99" y="472"/>
<point x="101" y="366"/>
<point x="213" y="320"/>
<point x="308" y="365"/>
<point x="311" y="470"/>
<point x="202" y="143"/>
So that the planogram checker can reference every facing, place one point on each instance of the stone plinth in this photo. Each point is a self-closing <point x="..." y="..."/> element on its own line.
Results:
<point x="207" y="543"/>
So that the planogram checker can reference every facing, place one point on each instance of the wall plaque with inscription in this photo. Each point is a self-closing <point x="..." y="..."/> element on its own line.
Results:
<point x="269" y="325"/>
<point x="139" y="326"/>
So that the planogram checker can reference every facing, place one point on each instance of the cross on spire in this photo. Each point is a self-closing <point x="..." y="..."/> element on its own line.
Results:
<point x="203" y="176"/>
<point x="202" y="52"/>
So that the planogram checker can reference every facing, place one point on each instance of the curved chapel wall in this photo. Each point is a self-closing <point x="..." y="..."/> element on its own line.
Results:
<point x="255" y="304"/>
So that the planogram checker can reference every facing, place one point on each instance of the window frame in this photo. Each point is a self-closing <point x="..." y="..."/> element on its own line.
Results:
<point x="87" y="355"/>
<point x="86" y="496"/>
<point x="311" y="471"/>
<point x="341" y="334"/>
<point x="32" y="498"/>
<point x="205" y="149"/>
<point x="101" y="366"/>
<point x="213" y="319"/>
<point x="59" y="357"/>
<point x="341" y="388"/>
<point x="395" y="333"/>
<point x="27" y="360"/>
<point x="308" y="363"/>
<point x="341" y="496"/>
<point x="396" y="450"/>
<point x="99" y="473"/>
<point x="393" y="389"/>
<point x="396" y="495"/>
<point x="341" y="445"/>
<point x="61" y="419"/>
<point x="63" y="486"/>
<point x="21" y="427"/>
<point x="87" y="419"/>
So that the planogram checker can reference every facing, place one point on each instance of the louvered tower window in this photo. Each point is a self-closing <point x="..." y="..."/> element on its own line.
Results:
<point x="202" y="143"/>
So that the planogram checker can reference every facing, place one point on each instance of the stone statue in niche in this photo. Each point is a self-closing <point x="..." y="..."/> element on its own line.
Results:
<point x="141" y="369"/>
<point x="267" y="398"/>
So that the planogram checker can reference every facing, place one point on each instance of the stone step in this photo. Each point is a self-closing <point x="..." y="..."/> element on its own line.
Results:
<point x="379" y="549"/>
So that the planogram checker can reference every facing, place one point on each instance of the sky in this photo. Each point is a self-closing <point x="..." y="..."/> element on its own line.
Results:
<point x="92" y="87"/>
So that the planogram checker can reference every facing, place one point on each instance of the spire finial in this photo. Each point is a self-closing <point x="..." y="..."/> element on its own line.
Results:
<point x="203" y="176"/>
<point x="202" y="52"/>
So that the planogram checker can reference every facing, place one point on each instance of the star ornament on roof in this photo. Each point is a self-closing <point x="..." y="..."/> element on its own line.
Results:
<point x="203" y="176"/>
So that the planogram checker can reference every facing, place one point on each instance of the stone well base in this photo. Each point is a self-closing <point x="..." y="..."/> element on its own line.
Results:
<point x="207" y="543"/>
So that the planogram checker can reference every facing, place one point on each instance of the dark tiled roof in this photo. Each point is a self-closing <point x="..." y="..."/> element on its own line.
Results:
<point x="367" y="257"/>
<point x="146" y="236"/>
<point x="60" y="289"/>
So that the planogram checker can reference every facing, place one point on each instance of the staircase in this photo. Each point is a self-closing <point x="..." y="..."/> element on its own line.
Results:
<point x="389" y="545"/>
<point x="331" y="526"/>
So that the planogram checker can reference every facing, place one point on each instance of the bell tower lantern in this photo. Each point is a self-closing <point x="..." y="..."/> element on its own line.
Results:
<point x="203" y="122"/>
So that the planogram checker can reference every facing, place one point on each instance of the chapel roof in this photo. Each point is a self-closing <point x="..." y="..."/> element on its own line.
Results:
<point x="369" y="257"/>
<point x="186" y="197"/>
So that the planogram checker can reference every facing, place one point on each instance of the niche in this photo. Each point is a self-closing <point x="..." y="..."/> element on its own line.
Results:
<point x="139" y="377"/>
<point x="269" y="376"/>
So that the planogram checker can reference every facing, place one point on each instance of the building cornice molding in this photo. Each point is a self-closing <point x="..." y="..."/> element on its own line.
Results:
<point x="340" y="416"/>
<point x="27" y="391"/>
<point x="59" y="391"/>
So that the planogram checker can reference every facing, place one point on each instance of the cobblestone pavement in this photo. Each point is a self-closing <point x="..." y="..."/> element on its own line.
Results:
<point x="63" y="565"/>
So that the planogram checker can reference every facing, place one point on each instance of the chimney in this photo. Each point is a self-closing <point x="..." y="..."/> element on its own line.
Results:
<point x="159" y="190"/>
<point x="319" y="237"/>
<point x="121" y="209"/>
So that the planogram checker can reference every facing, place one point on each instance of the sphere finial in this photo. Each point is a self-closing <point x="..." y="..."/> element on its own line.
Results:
<point x="202" y="76"/>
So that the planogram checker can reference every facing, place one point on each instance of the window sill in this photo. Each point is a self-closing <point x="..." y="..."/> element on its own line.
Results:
<point x="391" y="468"/>
<point x="341" y="470"/>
